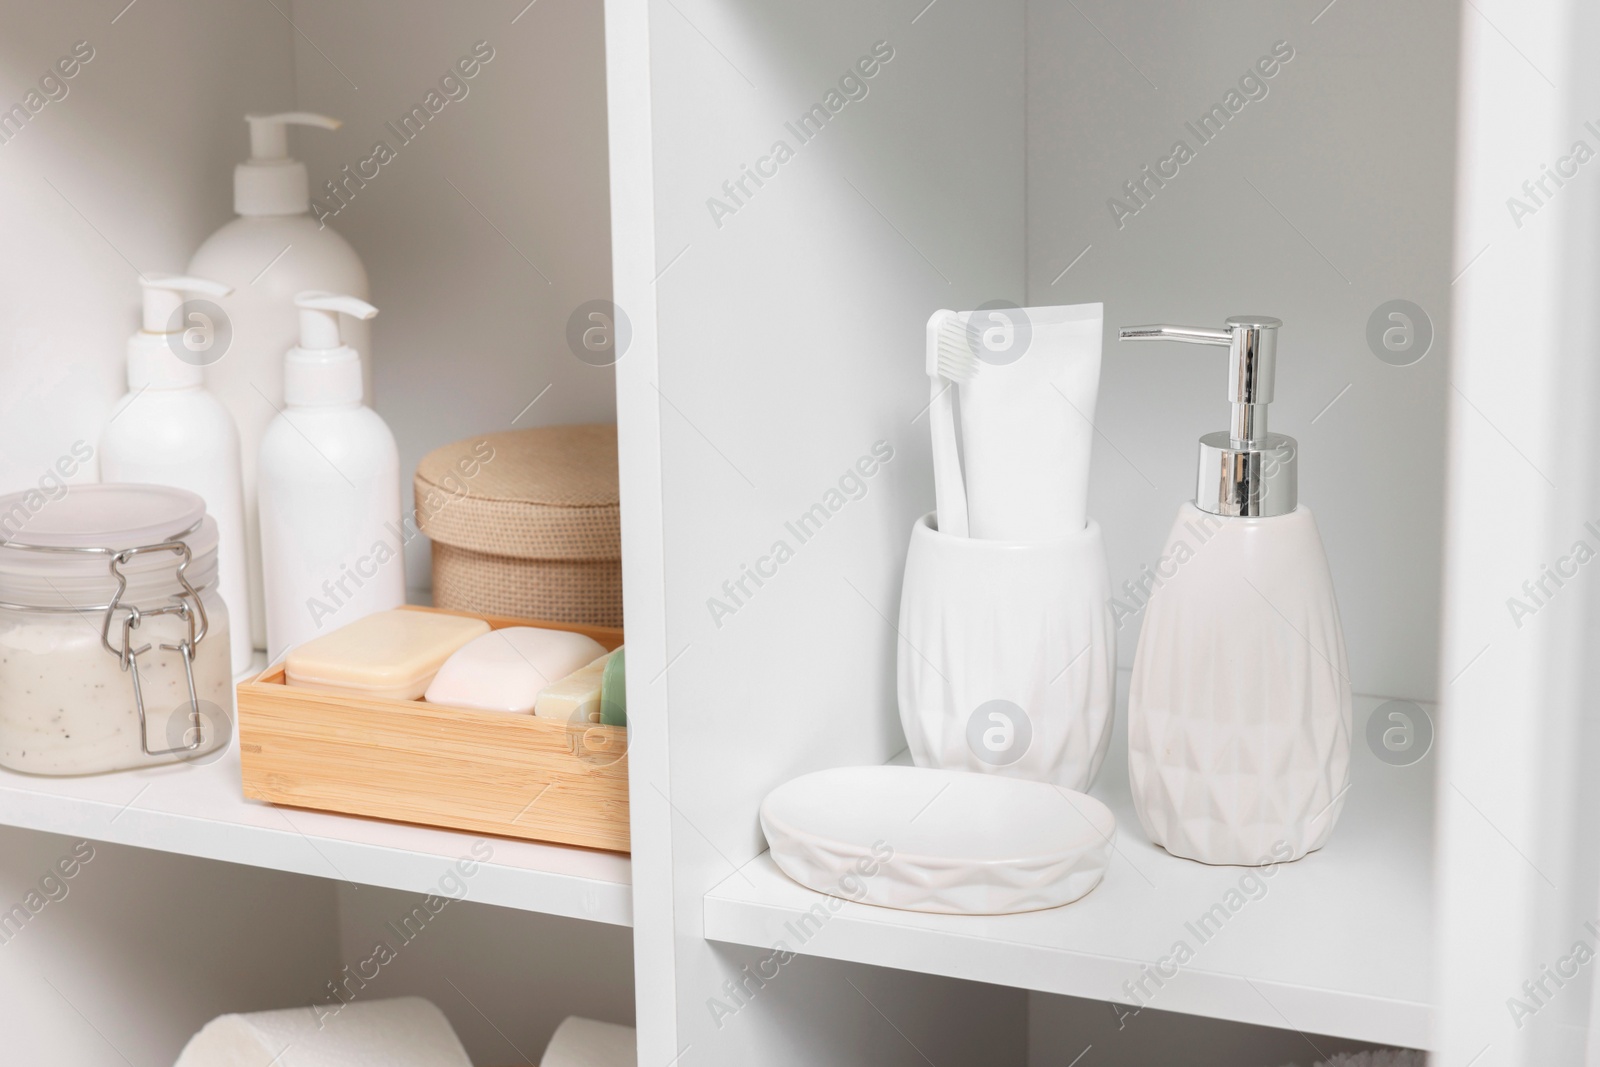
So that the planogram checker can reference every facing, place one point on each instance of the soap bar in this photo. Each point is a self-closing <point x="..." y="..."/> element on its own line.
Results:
<point x="575" y="698"/>
<point x="614" y="691"/>
<point x="505" y="669"/>
<point x="392" y="654"/>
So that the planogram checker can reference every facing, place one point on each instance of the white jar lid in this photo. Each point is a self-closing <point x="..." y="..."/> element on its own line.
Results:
<point x="99" y="516"/>
<point x="56" y="548"/>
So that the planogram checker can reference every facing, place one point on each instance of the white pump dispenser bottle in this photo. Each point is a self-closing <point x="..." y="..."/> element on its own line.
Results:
<point x="332" y="546"/>
<point x="1239" y="713"/>
<point x="272" y="251"/>
<point x="169" y="431"/>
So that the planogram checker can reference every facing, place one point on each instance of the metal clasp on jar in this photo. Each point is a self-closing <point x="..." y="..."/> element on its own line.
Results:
<point x="188" y="607"/>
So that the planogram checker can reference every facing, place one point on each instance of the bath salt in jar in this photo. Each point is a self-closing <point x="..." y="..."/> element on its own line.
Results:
<point x="113" y="640"/>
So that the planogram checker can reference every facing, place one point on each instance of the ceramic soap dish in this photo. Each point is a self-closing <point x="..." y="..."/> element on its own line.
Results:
<point x="952" y="842"/>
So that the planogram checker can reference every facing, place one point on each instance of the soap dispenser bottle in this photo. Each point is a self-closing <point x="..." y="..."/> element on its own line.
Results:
<point x="169" y="431"/>
<point x="273" y="250"/>
<point x="1239" y="712"/>
<point x="332" y="543"/>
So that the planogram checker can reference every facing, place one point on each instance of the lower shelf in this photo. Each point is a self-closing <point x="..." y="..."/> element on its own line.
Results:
<point x="200" y="810"/>
<point x="1339" y="943"/>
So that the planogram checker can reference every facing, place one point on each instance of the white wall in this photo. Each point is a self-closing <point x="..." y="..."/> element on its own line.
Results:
<point x="1517" y="794"/>
<point x="1351" y="154"/>
<point x="127" y="173"/>
<point x="775" y="346"/>
<point x="473" y="307"/>
<point x="142" y="949"/>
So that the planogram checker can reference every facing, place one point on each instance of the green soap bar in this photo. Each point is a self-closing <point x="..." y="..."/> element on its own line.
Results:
<point x="614" y="692"/>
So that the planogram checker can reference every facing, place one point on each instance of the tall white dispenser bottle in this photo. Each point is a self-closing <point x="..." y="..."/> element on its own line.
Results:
<point x="272" y="251"/>
<point x="1239" y="714"/>
<point x="169" y="431"/>
<point x="332" y="545"/>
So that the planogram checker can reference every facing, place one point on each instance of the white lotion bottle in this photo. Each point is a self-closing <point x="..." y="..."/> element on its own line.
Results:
<point x="168" y="430"/>
<point x="272" y="251"/>
<point x="331" y="541"/>
<point x="1239" y="712"/>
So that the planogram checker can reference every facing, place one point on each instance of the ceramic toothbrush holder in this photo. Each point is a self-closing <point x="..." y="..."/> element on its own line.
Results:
<point x="1007" y="655"/>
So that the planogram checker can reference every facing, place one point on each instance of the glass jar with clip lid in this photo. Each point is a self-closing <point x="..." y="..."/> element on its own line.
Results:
<point x="113" y="638"/>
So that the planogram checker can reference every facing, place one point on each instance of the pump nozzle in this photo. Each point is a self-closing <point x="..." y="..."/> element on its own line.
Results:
<point x="321" y="369"/>
<point x="163" y="296"/>
<point x="162" y="353"/>
<point x="269" y="134"/>
<point x="1244" y="470"/>
<point x="271" y="182"/>
<point x="319" y="317"/>
<point x="1252" y="343"/>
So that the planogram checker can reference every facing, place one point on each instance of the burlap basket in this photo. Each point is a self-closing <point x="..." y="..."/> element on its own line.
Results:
<point x="526" y="523"/>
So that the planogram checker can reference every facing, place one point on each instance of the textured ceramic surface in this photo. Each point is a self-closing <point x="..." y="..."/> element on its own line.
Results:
<point x="942" y="841"/>
<point x="1007" y="655"/>
<point x="1239" y="715"/>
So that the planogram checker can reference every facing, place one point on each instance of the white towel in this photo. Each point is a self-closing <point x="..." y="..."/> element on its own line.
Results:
<point x="587" y="1043"/>
<point x="403" y="1032"/>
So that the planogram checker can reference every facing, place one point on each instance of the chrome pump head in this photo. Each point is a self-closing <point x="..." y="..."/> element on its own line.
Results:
<point x="1244" y="470"/>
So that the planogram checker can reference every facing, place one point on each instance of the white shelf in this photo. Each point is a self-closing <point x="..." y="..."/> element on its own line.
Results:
<point x="1339" y="944"/>
<point x="201" y="811"/>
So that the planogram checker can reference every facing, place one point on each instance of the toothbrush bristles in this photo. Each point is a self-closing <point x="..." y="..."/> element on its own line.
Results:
<point x="957" y="361"/>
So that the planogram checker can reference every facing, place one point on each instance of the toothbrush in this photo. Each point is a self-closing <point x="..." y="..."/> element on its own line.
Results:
<point x="950" y="360"/>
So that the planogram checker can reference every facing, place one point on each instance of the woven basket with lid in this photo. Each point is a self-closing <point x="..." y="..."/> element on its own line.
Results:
<point x="526" y="523"/>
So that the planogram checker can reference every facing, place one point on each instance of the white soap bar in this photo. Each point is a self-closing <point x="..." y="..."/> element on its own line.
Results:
<point x="588" y="1043"/>
<point x="403" y="1032"/>
<point x="504" y="670"/>
<point x="575" y="698"/>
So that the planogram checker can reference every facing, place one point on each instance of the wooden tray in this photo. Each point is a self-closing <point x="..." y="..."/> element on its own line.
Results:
<point x="410" y="761"/>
